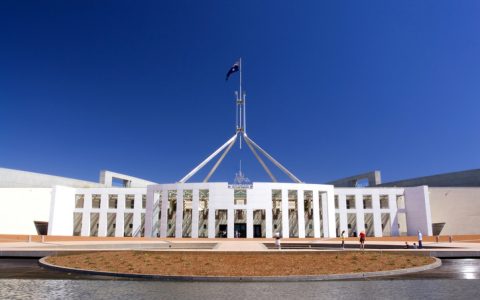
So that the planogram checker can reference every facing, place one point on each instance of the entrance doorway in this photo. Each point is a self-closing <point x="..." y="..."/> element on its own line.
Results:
<point x="257" y="231"/>
<point x="240" y="230"/>
<point x="222" y="231"/>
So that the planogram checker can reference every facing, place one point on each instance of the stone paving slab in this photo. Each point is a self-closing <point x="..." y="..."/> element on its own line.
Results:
<point x="36" y="249"/>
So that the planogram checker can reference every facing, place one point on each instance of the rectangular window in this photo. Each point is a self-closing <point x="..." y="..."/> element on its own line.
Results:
<point x="128" y="224"/>
<point x="94" y="217"/>
<point x="240" y="197"/>
<point x="293" y="212"/>
<point x="276" y="211"/>
<point x="336" y="201"/>
<point x="203" y="213"/>
<point x="383" y="201"/>
<point x="369" y="228"/>
<point x="111" y="218"/>
<point x="367" y="201"/>
<point x="172" y="212"/>
<point x="77" y="224"/>
<point x="129" y="201"/>
<point x="144" y="201"/>
<point x="400" y="202"/>
<point x="79" y="200"/>
<point x="142" y="225"/>
<point x="112" y="201"/>
<point x="187" y="213"/>
<point x="96" y="200"/>
<point x="350" y="203"/>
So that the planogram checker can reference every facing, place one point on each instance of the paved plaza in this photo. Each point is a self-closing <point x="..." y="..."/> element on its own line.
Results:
<point x="37" y="246"/>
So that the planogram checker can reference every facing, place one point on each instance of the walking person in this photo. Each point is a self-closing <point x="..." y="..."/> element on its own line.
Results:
<point x="362" y="240"/>
<point x="342" y="236"/>
<point x="420" y="238"/>
<point x="277" y="241"/>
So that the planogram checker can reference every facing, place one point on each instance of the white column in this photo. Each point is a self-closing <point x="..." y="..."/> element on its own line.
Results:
<point x="102" y="215"/>
<point x="377" y="215"/>
<point x="85" y="223"/>
<point x="417" y="210"/>
<point x="326" y="215"/>
<point x="87" y="207"/>
<point x="230" y="223"/>
<point x="62" y="208"/>
<point x="330" y="228"/>
<point x="359" y="213"/>
<point x="342" y="198"/>
<point x="249" y="223"/>
<point x="179" y="214"/>
<point x="392" y="200"/>
<point x="285" y="223"/>
<point x="211" y="221"/>
<point x="164" y="214"/>
<point x="119" y="218"/>
<point x="268" y="221"/>
<point x="195" y="216"/>
<point x="137" y="215"/>
<point x="151" y="213"/>
<point x="301" y="213"/>
<point x="316" y="214"/>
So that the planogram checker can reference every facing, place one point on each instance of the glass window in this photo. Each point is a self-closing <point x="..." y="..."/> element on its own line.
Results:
<point x="383" y="201"/>
<point x="240" y="196"/>
<point x="112" y="201"/>
<point x="79" y="200"/>
<point x="96" y="199"/>
<point x="129" y="201"/>
<point x="350" y="203"/>
<point x="400" y="201"/>
<point x="367" y="201"/>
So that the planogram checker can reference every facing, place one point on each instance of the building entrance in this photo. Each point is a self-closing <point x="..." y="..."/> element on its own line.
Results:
<point x="222" y="231"/>
<point x="240" y="230"/>
<point x="257" y="231"/>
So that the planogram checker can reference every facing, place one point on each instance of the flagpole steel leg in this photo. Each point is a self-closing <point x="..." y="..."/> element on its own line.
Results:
<point x="203" y="163"/>
<point x="260" y="160"/>
<point x="219" y="161"/>
<point x="244" y="113"/>
<point x="287" y="172"/>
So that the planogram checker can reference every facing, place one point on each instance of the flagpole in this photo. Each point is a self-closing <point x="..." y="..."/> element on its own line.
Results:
<point x="240" y="66"/>
<point x="240" y="98"/>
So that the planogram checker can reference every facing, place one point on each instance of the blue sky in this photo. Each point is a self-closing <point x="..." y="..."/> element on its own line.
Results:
<point x="333" y="88"/>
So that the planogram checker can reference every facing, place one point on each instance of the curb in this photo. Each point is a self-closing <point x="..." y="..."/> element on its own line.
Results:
<point x="42" y="262"/>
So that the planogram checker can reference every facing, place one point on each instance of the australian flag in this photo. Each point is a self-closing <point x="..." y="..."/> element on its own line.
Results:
<point x="233" y="69"/>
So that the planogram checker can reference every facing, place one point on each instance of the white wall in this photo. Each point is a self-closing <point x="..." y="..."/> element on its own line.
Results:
<point x="221" y="197"/>
<point x="10" y="178"/>
<point x="103" y="211"/>
<point x="61" y="211"/>
<point x="417" y="208"/>
<point x="19" y="207"/>
<point x="360" y="212"/>
<point x="457" y="207"/>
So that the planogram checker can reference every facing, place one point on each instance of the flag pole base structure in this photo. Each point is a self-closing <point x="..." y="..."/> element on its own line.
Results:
<point x="256" y="149"/>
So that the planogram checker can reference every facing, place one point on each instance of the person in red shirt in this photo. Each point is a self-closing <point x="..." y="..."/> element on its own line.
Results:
<point x="362" y="240"/>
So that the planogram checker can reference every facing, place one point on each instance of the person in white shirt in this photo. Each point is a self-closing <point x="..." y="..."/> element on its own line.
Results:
<point x="277" y="240"/>
<point x="420" y="237"/>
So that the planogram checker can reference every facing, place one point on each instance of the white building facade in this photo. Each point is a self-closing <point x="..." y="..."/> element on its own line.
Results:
<point x="217" y="209"/>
